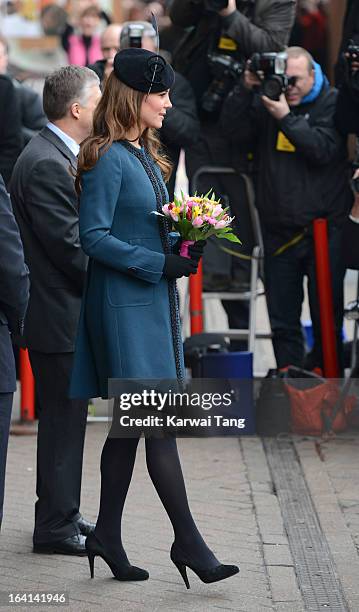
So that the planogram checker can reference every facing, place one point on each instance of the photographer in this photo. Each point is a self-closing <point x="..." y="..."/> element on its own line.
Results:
<point x="347" y="110"/>
<point x="347" y="120"/>
<point x="350" y="33"/>
<point x="219" y="36"/>
<point x="301" y="162"/>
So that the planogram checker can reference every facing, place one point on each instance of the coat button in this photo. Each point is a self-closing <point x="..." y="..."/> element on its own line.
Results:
<point x="132" y="269"/>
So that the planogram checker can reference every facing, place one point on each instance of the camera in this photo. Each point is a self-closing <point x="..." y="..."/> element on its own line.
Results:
<point x="352" y="53"/>
<point x="135" y="33"/>
<point x="225" y="70"/>
<point x="271" y="68"/>
<point x="351" y="56"/>
<point x="215" y="5"/>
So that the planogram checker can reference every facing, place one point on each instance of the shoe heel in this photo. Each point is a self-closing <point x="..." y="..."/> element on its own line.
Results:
<point x="91" y="558"/>
<point x="183" y="571"/>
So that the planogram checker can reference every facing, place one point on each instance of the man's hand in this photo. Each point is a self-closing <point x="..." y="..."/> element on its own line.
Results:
<point x="355" y="209"/>
<point x="230" y="8"/>
<point x="250" y="80"/>
<point x="354" y="64"/>
<point x="277" y="108"/>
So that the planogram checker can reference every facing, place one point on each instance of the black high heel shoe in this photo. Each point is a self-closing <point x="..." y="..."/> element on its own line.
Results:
<point x="214" y="574"/>
<point x="121" y="572"/>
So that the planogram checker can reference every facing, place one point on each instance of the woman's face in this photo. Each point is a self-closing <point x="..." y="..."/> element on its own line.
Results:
<point x="153" y="109"/>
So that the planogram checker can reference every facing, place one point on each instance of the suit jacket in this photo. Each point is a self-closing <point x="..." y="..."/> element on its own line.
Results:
<point x="46" y="208"/>
<point x="10" y="127"/>
<point x="14" y="289"/>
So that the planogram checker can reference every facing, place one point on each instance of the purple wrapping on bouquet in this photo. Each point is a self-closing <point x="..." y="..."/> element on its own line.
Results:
<point x="184" y="248"/>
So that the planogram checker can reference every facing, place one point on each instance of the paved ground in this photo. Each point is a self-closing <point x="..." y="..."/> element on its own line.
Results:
<point x="235" y="504"/>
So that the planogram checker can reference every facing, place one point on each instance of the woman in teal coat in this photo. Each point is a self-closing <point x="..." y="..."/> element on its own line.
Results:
<point x="129" y="326"/>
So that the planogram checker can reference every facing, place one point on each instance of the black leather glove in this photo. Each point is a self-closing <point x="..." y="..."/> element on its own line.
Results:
<point x="177" y="266"/>
<point x="195" y="251"/>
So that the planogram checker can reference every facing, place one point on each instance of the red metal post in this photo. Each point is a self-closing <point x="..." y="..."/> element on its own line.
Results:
<point x="195" y="301"/>
<point x="325" y="299"/>
<point x="27" y="401"/>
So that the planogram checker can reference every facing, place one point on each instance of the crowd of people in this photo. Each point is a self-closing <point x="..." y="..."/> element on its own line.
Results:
<point x="90" y="291"/>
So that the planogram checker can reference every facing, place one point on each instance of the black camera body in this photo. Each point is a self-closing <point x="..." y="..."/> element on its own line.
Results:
<point x="270" y="68"/>
<point x="225" y="69"/>
<point x="135" y="33"/>
<point x="215" y="5"/>
<point x="348" y="58"/>
<point x="352" y="52"/>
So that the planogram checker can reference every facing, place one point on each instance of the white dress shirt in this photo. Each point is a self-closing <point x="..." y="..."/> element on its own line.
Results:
<point x="69" y="142"/>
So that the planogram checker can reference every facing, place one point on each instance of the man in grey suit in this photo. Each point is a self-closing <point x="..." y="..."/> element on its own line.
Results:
<point x="46" y="208"/>
<point x="14" y="294"/>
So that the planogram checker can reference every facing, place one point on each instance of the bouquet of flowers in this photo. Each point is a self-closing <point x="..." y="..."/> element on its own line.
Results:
<point x="198" y="218"/>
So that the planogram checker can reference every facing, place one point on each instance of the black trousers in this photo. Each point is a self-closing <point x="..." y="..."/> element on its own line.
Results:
<point x="5" y="416"/>
<point x="60" y="442"/>
<point x="284" y="275"/>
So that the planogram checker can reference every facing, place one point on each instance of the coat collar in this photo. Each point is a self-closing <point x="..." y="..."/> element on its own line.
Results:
<point x="60" y="145"/>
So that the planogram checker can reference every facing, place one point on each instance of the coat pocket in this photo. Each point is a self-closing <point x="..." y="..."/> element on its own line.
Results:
<point x="123" y="290"/>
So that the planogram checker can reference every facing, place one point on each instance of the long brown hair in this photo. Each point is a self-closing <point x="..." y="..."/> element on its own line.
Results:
<point x="118" y="111"/>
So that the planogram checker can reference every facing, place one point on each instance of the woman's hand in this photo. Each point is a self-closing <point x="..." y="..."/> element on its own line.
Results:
<point x="177" y="266"/>
<point x="195" y="250"/>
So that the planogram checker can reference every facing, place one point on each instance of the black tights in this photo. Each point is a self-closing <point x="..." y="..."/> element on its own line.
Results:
<point x="163" y="464"/>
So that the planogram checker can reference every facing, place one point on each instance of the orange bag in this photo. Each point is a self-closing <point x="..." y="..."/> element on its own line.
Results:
<point x="312" y="408"/>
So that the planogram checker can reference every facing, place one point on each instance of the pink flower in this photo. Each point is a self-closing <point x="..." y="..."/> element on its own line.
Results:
<point x="173" y="216"/>
<point x="220" y="224"/>
<point x="209" y="220"/>
<point x="165" y="209"/>
<point x="197" y="222"/>
<point x="217" y="211"/>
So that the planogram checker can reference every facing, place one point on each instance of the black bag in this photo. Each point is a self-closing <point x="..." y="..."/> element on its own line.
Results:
<point x="272" y="406"/>
<point x="198" y="345"/>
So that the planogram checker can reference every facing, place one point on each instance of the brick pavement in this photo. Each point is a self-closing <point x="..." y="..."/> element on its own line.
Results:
<point x="233" y="500"/>
<point x="221" y="499"/>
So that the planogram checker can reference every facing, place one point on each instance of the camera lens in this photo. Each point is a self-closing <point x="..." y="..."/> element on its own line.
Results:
<point x="272" y="87"/>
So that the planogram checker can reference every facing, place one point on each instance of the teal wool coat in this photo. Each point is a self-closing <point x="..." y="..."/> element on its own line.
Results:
<point x="129" y="323"/>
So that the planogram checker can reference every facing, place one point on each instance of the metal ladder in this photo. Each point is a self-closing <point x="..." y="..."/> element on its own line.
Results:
<point x="251" y="296"/>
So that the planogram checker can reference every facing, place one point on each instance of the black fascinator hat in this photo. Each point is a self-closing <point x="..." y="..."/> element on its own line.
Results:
<point x="143" y="70"/>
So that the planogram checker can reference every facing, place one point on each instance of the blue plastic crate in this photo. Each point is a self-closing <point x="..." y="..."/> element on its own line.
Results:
<point x="237" y="368"/>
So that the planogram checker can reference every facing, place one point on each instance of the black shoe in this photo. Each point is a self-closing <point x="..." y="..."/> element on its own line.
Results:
<point x="75" y="545"/>
<point x="124" y="571"/>
<point x="85" y="527"/>
<point x="214" y="574"/>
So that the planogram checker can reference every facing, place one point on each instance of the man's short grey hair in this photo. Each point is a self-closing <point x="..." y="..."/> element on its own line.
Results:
<point x="64" y="87"/>
<point x="300" y="52"/>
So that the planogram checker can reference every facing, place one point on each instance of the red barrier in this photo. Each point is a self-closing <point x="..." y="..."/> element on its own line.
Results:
<point x="195" y="301"/>
<point x="27" y="401"/>
<point x="325" y="299"/>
